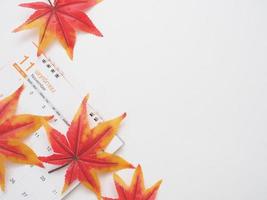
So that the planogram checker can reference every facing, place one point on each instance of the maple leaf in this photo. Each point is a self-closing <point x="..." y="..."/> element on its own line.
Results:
<point x="82" y="150"/>
<point x="137" y="189"/>
<point x="13" y="129"/>
<point x="60" y="21"/>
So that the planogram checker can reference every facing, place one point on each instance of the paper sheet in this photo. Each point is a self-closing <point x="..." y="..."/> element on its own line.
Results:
<point x="47" y="92"/>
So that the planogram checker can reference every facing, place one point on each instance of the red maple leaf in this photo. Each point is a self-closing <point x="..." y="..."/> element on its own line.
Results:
<point x="137" y="189"/>
<point x="13" y="129"/>
<point x="82" y="150"/>
<point x="59" y="21"/>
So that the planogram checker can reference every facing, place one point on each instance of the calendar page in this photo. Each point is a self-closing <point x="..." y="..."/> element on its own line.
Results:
<point x="47" y="92"/>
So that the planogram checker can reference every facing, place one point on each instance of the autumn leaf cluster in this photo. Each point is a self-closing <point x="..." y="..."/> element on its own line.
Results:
<point x="81" y="150"/>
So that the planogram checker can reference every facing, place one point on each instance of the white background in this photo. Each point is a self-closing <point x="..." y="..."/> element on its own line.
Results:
<point x="191" y="75"/>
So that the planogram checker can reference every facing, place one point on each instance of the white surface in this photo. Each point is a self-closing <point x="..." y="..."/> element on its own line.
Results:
<point x="192" y="77"/>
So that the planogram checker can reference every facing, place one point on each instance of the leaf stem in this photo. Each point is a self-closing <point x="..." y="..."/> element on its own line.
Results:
<point x="54" y="170"/>
<point x="50" y="2"/>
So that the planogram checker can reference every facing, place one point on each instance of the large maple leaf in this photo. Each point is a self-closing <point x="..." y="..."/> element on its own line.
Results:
<point x="137" y="189"/>
<point x="13" y="129"/>
<point x="60" y="21"/>
<point x="82" y="150"/>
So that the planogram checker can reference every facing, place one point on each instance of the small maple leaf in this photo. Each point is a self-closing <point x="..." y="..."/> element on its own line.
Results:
<point x="13" y="129"/>
<point x="137" y="189"/>
<point x="82" y="150"/>
<point x="60" y="21"/>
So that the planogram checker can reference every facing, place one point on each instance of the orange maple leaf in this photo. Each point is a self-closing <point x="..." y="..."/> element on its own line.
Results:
<point x="13" y="129"/>
<point x="137" y="189"/>
<point x="82" y="150"/>
<point x="60" y="21"/>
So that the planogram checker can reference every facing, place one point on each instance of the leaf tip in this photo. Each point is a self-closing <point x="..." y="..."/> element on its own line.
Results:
<point x="21" y="88"/>
<point x="2" y="183"/>
<point x="157" y="185"/>
<point x="131" y="166"/>
<point x="39" y="53"/>
<point x="159" y="182"/>
<point x="86" y="98"/>
<point x="39" y="163"/>
<point x="48" y="118"/>
<point x="3" y="187"/>
<point x="98" y="194"/>
<point x="124" y="115"/>
<point x="99" y="1"/>
<point x="18" y="92"/>
<point x="69" y="51"/>
<point x="22" y="5"/>
<point x="16" y="30"/>
<point x="65" y="188"/>
<point x="139" y="168"/>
